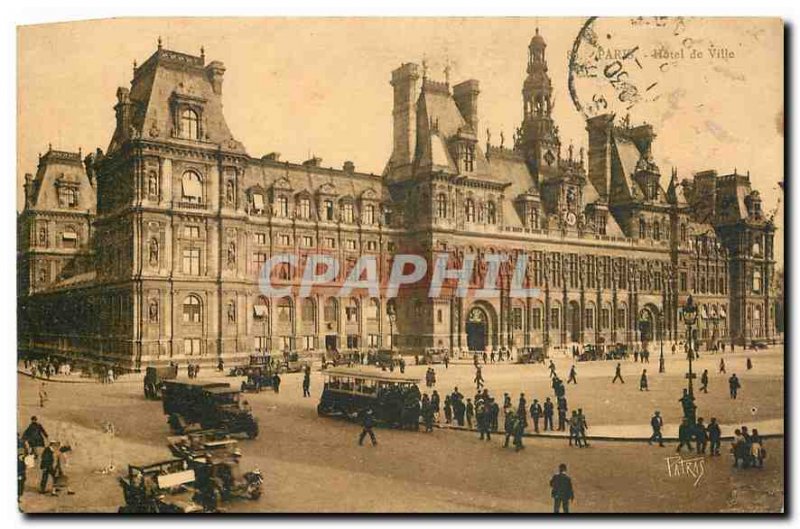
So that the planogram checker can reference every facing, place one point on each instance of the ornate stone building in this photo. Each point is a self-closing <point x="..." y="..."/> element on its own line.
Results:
<point x="164" y="263"/>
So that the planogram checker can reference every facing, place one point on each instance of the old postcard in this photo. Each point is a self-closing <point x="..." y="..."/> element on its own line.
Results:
<point x="489" y="265"/>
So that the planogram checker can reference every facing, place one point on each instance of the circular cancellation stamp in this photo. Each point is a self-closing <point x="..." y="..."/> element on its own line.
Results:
<point x="617" y="64"/>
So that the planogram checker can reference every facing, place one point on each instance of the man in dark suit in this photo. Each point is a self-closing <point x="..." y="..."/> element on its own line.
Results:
<point x="561" y="490"/>
<point x="367" y="422"/>
<point x="548" y="414"/>
<point x="536" y="413"/>
<point x="48" y="466"/>
<point x="656" y="422"/>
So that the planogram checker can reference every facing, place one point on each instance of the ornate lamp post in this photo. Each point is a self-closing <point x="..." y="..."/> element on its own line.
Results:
<point x="687" y="401"/>
<point x="392" y="315"/>
<point x="661" y="368"/>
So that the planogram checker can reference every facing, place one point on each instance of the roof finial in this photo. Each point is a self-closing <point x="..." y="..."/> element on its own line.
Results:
<point x="447" y="70"/>
<point x="134" y="66"/>
<point x="159" y="42"/>
<point x="537" y="30"/>
<point x="424" y="67"/>
<point x="203" y="53"/>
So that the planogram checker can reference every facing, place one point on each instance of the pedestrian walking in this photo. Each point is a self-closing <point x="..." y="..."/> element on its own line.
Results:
<point x="749" y="364"/>
<point x="572" y="376"/>
<point x="704" y="381"/>
<point x="656" y="423"/>
<point x="306" y="384"/>
<point x="757" y="449"/>
<point x="427" y="413"/>
<point x="478" y="378"/>
<point x="367" y="422"/>
<point x="573" y="428"/>
<point x="643" y="381"/>
<point x="435" y="404"/>
<point x="734" y="385"/>
<point x="494" y="414"/>
<point x="47" y="464"/>
<point x="470" y="413"/>
<point x="635" y="355"/>
<point x="583" y="427"/>
<point x="561" y="490"/>
<point x="522" y="410"/>
<point x="618" y="374"/>
<point x="510" y="424"/>
<point x="484" y="421"/>
<point x="684" y="435"/>
<point x="553" y="370"/>
<point x="548" y="414"/>
<point x="35" y="437"/>
<point x="561" y="406"/>
<point x="536" y="413"/>
<point x="448" y="410"/>
<point x="447" y="361"/>
<point x="276" y="382"/>
<point x="722" y="364"/>
<point x="700" y="436"/>
<point x="714" y="436"/>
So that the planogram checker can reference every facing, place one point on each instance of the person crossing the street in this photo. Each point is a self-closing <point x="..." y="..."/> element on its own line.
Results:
<point x="618" y="374"/>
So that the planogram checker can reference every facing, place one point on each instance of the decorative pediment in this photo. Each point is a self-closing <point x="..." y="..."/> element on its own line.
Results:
<point x="369" y="194"/>
<point x="327" y="189"/>
<point x="282" y="184"/>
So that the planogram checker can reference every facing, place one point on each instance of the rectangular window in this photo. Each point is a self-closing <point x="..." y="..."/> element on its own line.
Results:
<point x="309" y="343"/>
<point x="327" y="206"/>
<point x="307" y="241"/>
<point x="554" y="319"/>
<point x="621" y="324"/>
<point x="469" y="158"/>
<point x="368" y="216"/>
<point x="589" y="318"/>
<point x="516" y="318"/>
<point x="284" y="240"/>
<point x="191" y="261"/>
<point x="347" y="212"/>
<point x="284" y="313"/>
<point x="605" y="318"/>
<point x="350" y="244"/>
<point x="191" y="232"/>
<point x="683" y="281"/>
<point x="261" y="238"/>
<point x="69" y="239"/>
<point x="351" y="314"/>
<point x="258" y="202"/>
<point x="374" y="340"/>
<point x="536" y="317"/>
<point x="330" y="242"/>
<point x="390" y="246"/>
<point x="191" y="346"/>
<point x="261" y="344"/>
<point x="372" y="246"/>
<point x="259" y="259"/>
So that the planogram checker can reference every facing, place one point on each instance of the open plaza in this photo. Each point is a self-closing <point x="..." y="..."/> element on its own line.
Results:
<point x="314" y="464"/>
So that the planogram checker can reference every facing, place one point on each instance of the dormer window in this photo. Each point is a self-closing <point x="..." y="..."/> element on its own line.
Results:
<point x="469" y="210"/>
<point x="190" y="124"/>
<point x="282" y="207"/>
<point x="347" y="212"/>
<point x="304" y="208"/>
<point x="368" y="215"/>
<point x="441" y="206"/>
<point x="258" y="203"/>
<point x="491" y="213"/>
<point x="68" y="196"/>
<point x="469" y="158"/>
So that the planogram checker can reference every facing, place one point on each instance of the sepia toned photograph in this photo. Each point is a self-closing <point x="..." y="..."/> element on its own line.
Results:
<point x="420" y="265"/>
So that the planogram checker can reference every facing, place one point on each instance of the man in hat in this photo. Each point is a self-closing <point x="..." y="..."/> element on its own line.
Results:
<point x="656" y="423"/>
<point x="48" y="466"/>
<point x="536" y="413"/>
<point x="572" y="375"/>
<point x="367" y="422"/>
<point x="734" y="385"/>
<point x="561" y="490"/>
<point x="36" y="436"/>
<point x="618" y="374"/>
<point x="643" y="381"/>
<point x="548" y="414"/>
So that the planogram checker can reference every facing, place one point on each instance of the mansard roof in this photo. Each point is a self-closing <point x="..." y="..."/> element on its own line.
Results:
<point x="61" y="168"/>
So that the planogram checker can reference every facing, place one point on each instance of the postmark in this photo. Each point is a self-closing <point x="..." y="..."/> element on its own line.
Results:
<point x="616" y="65"/>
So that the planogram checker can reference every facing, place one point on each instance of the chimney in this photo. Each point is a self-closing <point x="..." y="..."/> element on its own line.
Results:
<point x="599" y="156"/>
<point x="123" y="109"/>
<point x="215" y="71"/>
<point x="272" y="157"/>
<point x="466" y="97"/>
<point x="28" y="189"/>
<point x="349" y="167"/>
<point x="404" y="82"/>
<point x="313" y="162"/>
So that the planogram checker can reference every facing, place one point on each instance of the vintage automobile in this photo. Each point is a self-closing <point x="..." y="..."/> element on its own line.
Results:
<point x="293" y="362"/>
<point x="206" y="406"/>
<point x="258" y="378"/>
<point x="394" y="398"/>
<point x="164" y="487"/>
<point x="386" y="359"/>
<point x="432" y="356"/>
<point x="154" y="380"/>
<point x="531" y="355"/>
<point x="256" y="361"/>
<point x="334" y="358"/>
<point x="216" y="463"/>
<point x="758" y="344"/>
<point x="616" y="352"/>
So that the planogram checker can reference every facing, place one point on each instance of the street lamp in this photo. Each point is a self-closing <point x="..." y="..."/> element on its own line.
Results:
<point x="392" y="315"/>
<point x="689" y="319"/>
<point x="661" y="368"/>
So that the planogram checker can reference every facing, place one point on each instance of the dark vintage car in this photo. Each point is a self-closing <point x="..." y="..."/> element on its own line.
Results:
<point x="531" y="355"/>
<point x="258" y="378"/>
<point x="394" y="398"/>
<point x="255" y="361"/>
<point x="154" y="378"/>
<point x="207" y="406"/>
<point x="616" y="352"/>
<point x="163" y="487"/>
<point x="334" y="358"/>
<point x="387" y="359"/>
<point x="293" y="361"/>
<point x="758" y="344"/>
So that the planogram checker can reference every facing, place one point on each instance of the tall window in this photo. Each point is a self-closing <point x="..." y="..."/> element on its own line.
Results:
<point x="555" y="318"/>
<point x="621" y="318"/>
<point x="536" y="319"/>
<point x="441" y="206"/>
<point x="330" y="310"/>
<point x="304" y="207"/>
<point x="605" y="318"/>
<point x="373" y="309"/>
<point x="469" y="210"/>
<point x="657" y="231"/>
<point x="260" y="309"/>
<point x="642" y="229"/>
<point x="756" y="281"/>
<point x="191" y="187"/>
<point x="469" y="158"/>
<point x="191" y="346"/>
<point x="516" y="318"/>
<point x="368" y="215"/>
<point x="282" y="206"/>
<point x="351" y="311"/>
<point x="308" y="310"/>
<point x="192" y="310"/>
<point x="683" y="232"/>
<point x="491" y="213"/>
<point x="347" y="212"/>
<point x="589" y="318"/>
<point x="327" y="206"/>
<point x="285" y="310"/>
<point x="190" y="124"/>
<point x="191" y="261"/>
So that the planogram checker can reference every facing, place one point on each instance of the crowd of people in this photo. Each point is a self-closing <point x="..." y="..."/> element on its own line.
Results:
<point x="36" y="449"/>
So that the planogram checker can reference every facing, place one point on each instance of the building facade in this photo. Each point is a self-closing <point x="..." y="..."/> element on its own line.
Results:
<point x="158" y="258"/>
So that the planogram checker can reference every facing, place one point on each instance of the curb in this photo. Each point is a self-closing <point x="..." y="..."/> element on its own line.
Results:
<point x="565" y="436"/>
<point x="67" y="381"/>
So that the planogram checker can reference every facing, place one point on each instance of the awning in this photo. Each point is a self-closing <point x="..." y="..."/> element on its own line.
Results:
<point x="192" y="188"/>
<point x="258" y="201"/>
<point x="69" y="235"/>
<point x="260" y="310"/>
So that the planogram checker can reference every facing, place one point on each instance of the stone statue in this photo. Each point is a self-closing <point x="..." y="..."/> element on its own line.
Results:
<point x="231" y="312"/>
<point x="153" y="310"/>
<point x="153" y="252"/>
<point x="231" y="253"/>
<point x="42" y="235"/>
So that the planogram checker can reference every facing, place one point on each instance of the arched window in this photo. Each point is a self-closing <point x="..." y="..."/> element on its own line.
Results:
<point x="304" y="208"/>
<point x="191" y="187"/>
<point x="757" y="281"/>
<point x="373" y="309"/>
<point x="190" y="124"/>
<point x="347" y="212"/>
<point x="491" y="213"/>
<point x="331" y="307"/>
<point x="192" y="309"/>
<point x="261" y="309"/>
<point x="441" y="206"/>
<point x="285" y="310"/>
<point x="469" y="210"/>
<point x="309" y="311"/>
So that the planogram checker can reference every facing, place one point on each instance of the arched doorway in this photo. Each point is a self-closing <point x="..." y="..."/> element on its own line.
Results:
<point x="480" y="328"/>
<point x="648" y="324"/>
<point x="574" y="321"/>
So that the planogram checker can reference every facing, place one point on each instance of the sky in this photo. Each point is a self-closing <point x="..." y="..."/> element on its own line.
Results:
<point x="320" y="87"/>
